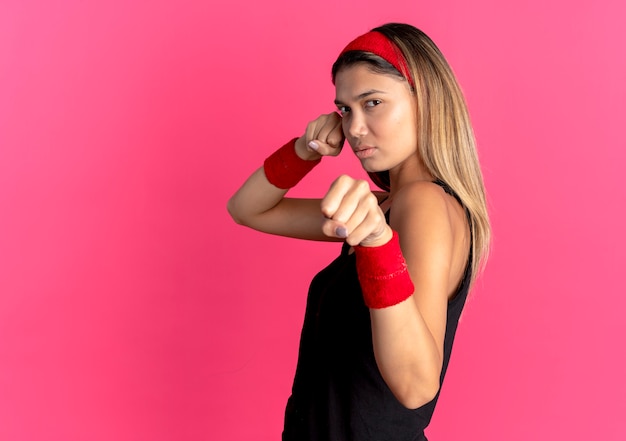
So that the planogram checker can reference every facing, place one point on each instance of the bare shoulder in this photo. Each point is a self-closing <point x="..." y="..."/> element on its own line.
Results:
<point x="434" y="233"/>
<point x="422" y="202"/>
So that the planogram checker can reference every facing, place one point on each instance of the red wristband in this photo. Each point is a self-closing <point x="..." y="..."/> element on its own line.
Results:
<point x="284" y="168"/>
<point x="383" y="274"/>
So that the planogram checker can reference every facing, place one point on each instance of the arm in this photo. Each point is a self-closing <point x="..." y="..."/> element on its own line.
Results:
<point x="408" y="336"/>
<point x="262" y="206"/>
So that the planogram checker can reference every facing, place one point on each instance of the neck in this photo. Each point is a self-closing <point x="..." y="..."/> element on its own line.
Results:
<point x="407" y="173"/>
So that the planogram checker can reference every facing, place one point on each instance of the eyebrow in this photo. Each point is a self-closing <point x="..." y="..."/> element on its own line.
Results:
<point x="362" y="95"/>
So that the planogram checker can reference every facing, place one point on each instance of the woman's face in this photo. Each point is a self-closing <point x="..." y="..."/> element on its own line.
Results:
<point x="378" y="117"/>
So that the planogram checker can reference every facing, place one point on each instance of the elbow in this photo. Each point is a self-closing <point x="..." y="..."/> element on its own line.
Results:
<point x="415" y="387"/>
<point x="416" y="397"/>
<point x="231" y="207"/>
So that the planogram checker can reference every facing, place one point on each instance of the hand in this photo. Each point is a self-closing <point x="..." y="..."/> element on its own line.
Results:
<point x="325" y="133"/>
<point x="353" y="213"/>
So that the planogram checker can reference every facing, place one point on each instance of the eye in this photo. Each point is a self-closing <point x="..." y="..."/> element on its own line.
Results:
<point x="372" y="103"/>
<point x="343" y="109"/>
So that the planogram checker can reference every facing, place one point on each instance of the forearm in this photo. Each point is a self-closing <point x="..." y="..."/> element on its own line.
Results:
<point x="406" y="353"/>
<point x="267" y="186"/>
<point x="255" y="197"/>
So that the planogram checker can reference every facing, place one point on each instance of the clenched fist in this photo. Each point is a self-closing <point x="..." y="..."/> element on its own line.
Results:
<point x="352" y="212"/>
<point x="323" y="137"/>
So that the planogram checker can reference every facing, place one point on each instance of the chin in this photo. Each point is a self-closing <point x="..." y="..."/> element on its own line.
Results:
<point x="372" y="168"/>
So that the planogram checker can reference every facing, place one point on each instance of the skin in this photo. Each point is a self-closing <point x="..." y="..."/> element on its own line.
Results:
<point x="378" y="121"/>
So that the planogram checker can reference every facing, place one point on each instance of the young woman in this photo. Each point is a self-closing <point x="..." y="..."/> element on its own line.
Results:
<point x="381" y="318"/>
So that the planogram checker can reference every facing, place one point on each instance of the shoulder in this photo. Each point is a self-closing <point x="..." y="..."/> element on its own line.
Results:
<point x="421" y="214"/>
<point x="422" y="200"/>
<point x="434" y="232"/>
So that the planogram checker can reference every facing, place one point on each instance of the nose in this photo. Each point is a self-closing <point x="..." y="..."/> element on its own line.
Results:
<point x="354" y="125"/>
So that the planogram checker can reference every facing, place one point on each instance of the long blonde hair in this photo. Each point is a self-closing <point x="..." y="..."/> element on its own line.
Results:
<point x="446" y="140"/>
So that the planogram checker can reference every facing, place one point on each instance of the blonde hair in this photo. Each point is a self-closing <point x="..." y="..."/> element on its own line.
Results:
<point x="446" y="140"/>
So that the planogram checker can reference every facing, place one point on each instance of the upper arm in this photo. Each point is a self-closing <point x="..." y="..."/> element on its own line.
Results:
<point x="421" y="217"/>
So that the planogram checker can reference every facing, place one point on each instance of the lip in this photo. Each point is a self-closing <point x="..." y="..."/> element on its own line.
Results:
<point x="364" y="152"/>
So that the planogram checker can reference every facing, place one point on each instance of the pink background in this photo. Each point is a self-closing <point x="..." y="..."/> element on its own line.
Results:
<point x="133" y="308"/>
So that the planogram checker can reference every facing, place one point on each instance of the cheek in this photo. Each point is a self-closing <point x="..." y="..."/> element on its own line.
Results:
<point x="403" y="121"/>
<point x="404" y="131"/>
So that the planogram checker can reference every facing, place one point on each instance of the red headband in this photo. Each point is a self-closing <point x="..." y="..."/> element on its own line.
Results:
<point x="378" y="44"/>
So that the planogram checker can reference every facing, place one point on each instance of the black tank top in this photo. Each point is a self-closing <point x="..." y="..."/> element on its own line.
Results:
<point x="338" y="393"/>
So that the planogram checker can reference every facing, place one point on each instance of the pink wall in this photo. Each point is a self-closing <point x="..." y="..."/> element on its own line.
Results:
<point x="132" y="308"/>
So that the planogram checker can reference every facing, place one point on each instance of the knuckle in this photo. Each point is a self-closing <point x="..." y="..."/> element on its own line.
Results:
<point x="371" y="199"/>
<point x="326" y="208"/>
<point x="308" y="133"/>
<point x="342" y="179"/>
<point x="362" y="185"/>
<point x="336" y="138"/>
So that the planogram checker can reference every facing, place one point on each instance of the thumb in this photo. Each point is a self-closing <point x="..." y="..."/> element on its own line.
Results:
<point x="324" y="149"/>
<point x="332" y="228"/>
